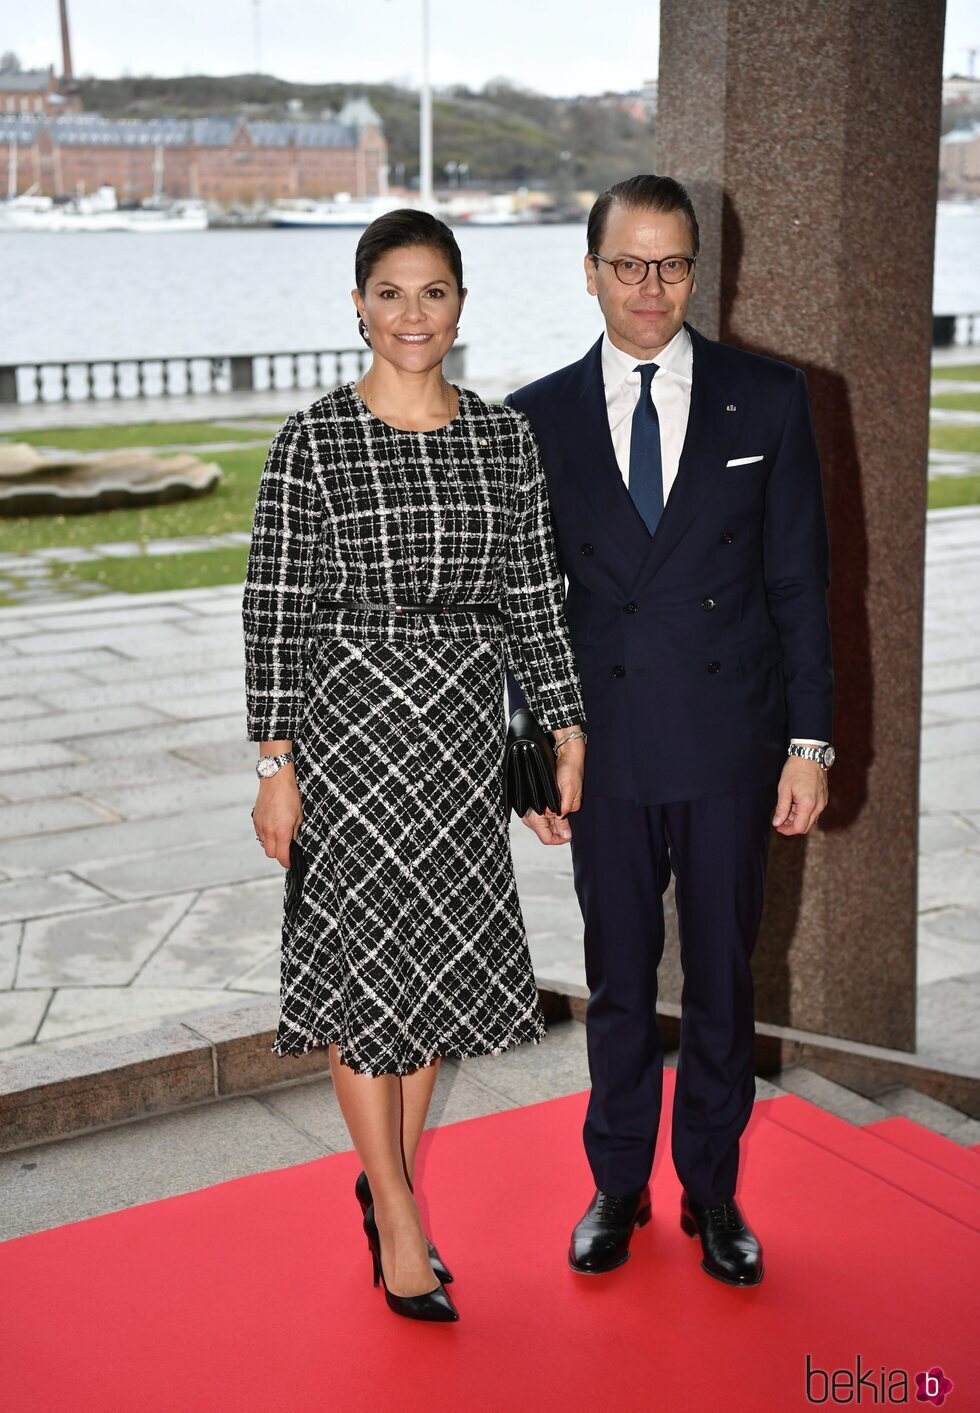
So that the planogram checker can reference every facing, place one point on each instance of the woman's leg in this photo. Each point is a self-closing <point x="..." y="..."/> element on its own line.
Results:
<point x="416" y="1096"/>
<point x="372" y="1110"/>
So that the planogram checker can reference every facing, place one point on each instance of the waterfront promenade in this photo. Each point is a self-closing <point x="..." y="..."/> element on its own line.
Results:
<point x="131" y="886"/>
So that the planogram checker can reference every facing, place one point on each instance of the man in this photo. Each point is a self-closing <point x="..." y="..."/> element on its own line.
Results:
<point x="688" y="510"/>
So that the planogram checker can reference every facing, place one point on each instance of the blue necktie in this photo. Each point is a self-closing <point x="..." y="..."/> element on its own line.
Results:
<point x="646" y="463"/>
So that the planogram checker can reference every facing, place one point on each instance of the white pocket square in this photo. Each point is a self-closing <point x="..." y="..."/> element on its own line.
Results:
<point x="744" y="460"/>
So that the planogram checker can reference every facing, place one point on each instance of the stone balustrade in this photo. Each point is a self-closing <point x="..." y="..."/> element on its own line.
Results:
<point x="955" y="330"/>
<point x="97" y="379"/>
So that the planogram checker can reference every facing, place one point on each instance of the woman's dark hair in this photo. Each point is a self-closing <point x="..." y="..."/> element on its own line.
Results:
<point x="655" y="193"/>
<point x="397" y="229"/>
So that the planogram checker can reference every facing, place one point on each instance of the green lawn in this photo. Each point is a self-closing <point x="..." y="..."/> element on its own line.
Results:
<point x="227" y="508"/>
<point x="137" y="434"/>
<point x="149" y="573"/>
<point x="945" y="491"/>
<point x="958" y="402"/>
<point x="957" y="372"/>
<point x="950" y="437"/>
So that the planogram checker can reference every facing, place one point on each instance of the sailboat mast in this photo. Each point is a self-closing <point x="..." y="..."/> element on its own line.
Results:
<point x="425" y="118"/>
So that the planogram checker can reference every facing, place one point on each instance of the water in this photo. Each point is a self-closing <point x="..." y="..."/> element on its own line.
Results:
<point x="115" y="295"/>
<point x="956" y="277"/>
<point x="217" y="292"/>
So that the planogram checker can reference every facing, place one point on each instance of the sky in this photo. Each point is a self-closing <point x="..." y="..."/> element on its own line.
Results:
<point x="560" y="47"/>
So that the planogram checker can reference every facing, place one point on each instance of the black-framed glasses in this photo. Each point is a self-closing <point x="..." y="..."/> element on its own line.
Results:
<point x="631" y="270"/>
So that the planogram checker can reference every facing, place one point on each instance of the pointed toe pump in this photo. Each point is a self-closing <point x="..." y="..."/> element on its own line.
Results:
<point x="362" y="1191"/>
<point x="433" y="1306"/>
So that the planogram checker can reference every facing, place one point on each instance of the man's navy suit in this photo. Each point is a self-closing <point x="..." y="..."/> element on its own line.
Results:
<point x="703" y="649"/>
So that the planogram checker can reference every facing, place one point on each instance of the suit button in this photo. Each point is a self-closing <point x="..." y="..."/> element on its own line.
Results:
<point x="714" y="666"/>
<point x="707" y="605"/>
<point x="587" y="549"/>
<point x="727" y="537"/>
<point x="629" y="607"/>
<point x="619" y="671"/>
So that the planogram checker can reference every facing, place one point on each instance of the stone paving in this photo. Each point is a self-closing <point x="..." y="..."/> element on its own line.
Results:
<point x="131" y="886"/>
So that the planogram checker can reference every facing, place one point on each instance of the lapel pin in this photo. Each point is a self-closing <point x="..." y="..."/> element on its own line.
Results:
<point x="483" y="441"/>
<point x="731" y="407"/>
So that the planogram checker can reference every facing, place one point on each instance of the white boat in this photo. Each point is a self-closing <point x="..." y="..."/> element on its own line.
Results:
<point x="497" y="218"/>
<point x="343" y="211"/>
<point x="100" y="211"/>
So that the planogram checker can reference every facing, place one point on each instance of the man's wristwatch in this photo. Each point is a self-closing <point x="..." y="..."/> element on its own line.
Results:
<point x="267" y="766"/>
<point x="823" y="755"/>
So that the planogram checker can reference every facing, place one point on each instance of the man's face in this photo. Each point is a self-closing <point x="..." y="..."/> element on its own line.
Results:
<point x="641" y="319"/>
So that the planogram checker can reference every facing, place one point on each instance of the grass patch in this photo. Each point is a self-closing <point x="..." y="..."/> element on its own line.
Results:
<point x="137" y="434"/>
<point x="958" y="402"/>
<point x="227" y="508"/>
<point x="152" y="573"/>
<point x="954" y="438"/>
<point x="947" y="491"/>
<point x="957" y="372"/>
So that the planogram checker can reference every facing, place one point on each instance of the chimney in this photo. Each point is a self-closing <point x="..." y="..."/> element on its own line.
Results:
<point x="66" y="69"/>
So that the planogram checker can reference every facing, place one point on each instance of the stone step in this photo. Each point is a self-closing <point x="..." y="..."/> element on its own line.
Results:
<point x="828" y="1095"/>
<point x="931" y="1113"/>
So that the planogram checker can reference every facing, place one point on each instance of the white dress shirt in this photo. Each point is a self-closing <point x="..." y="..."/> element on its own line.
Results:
<point x="671" y="394"/>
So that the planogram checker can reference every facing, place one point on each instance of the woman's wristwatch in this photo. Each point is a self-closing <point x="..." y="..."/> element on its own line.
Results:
<point x="823" y="755"/>
<point x="267" y="766"/>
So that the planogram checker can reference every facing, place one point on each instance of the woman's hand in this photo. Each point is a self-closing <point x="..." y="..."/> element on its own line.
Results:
<point x="554" y="828"/>
<point x="278" y="814"/>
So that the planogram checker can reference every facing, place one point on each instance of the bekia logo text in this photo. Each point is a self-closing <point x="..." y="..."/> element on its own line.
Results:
<point x="866" y="1384"/>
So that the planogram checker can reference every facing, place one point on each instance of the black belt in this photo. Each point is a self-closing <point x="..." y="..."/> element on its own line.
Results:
<point x="487" y="610"/>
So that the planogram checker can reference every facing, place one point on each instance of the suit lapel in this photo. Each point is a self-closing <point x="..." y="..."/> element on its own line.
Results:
<point x="592" y="463"/>
<point x="715" y="415"/>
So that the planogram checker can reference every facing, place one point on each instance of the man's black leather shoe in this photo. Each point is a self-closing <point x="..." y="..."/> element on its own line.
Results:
<point x="731" y="1250"/>
<point x="601" y="1241"/>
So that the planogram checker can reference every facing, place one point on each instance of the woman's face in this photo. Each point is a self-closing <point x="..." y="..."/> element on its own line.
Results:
<point x="411" y="306"/>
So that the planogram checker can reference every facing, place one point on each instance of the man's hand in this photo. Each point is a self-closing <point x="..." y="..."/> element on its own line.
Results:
<point x="554" y="828"/>
<point x="802" y="796"/>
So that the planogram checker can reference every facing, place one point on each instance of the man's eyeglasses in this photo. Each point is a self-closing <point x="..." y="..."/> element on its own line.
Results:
<point x="672" y="270"/>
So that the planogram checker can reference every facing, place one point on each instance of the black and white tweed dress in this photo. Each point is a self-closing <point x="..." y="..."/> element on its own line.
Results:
<point x="407" y="940"/>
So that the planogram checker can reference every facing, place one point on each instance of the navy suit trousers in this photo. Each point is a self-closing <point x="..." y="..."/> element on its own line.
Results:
<point x="623" y="855"/>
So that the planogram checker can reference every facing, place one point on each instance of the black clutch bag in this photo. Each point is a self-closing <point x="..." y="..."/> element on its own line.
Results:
<point x="529" y="767"/>
<point x="295" y="875"/>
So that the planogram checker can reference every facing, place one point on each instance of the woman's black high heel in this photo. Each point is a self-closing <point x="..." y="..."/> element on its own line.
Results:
<point x="362" y="1191"/>
<point x="434" y="1306"/>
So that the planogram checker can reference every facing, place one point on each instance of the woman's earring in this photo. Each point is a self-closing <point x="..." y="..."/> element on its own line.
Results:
<point x="362" y="330"/>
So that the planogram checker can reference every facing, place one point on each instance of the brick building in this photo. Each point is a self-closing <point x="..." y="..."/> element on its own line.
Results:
<point x="959" y="162"/>
<point x="220" y="159"/>
<point x="36" y="91"/>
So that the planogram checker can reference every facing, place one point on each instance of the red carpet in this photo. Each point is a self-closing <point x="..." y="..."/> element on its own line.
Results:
<point x="255" y="1296"/>
<point x="962" y="1162"/>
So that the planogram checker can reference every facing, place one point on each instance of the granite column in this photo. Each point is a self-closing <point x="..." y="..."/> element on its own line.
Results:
<point x="808" y="134"/>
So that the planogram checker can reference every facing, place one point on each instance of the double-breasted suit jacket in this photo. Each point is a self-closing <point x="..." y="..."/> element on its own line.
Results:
<point x="705" y="647"/>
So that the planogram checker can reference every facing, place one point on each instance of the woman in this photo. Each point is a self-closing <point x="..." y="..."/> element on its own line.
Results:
<point x="401" y="548"/>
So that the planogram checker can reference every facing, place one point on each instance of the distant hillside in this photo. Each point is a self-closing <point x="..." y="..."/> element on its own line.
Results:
<point x="505" y="135"/>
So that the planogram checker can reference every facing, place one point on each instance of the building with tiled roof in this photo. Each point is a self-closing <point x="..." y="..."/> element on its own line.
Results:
<point x="959" y="161"/>
<point x="220" y="159"/>
<point x="34" y="91"/>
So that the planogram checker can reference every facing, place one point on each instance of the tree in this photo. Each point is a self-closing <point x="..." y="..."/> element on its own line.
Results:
<point x="9" y="63"/>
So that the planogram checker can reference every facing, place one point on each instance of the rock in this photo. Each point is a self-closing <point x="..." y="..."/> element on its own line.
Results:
<point x="74" y="483"/>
